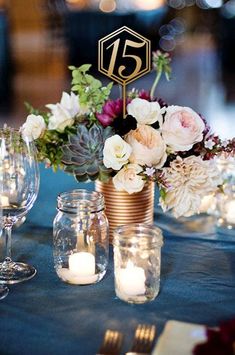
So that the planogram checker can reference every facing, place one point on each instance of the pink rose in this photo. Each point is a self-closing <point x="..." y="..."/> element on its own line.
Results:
<point x="148" y="147"/>
<point x="182" y="128"/>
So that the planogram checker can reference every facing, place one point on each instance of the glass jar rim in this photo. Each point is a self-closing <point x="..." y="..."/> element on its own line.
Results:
<point x="141" y="234"/>
<point x="80" y="200"/>
<point x="17" y="132"/>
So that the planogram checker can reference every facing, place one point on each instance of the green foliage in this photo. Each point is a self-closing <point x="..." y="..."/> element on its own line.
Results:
<point x="49" y="146"/>
<point x="34" y="111"/>
<point x="161" y="63"/>
<point x="91" y="93"/>
<point x="52" y="144"/>
<point x="162" y="193"/>
<point x="31" y="109"/>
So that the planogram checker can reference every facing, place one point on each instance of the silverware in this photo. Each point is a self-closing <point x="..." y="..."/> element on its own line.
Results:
<point x="143" y="340"/>
<point x="112" y="343"/>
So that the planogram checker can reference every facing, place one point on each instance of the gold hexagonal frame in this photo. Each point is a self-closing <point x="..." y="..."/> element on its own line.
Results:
<point x="142" y="40"/>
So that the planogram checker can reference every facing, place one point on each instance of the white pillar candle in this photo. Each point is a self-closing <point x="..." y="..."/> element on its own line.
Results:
<point x="82" y="263"/>
<point x="230" y="212"/>
<point x="81" y="269"/>
<point x="131" y="280"/>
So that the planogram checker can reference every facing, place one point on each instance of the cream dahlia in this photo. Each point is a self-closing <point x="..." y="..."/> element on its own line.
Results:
<point x="188" y="180"/>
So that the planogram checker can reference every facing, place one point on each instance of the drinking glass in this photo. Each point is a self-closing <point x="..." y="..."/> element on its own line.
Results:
<point x="19" y="184"/>
<point x="137" y="262"/>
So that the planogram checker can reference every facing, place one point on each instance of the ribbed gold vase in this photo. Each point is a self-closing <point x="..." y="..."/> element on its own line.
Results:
<point x="122" y="208"/>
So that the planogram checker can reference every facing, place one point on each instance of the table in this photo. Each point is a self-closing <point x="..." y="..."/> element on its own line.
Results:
<point x="46" y="316"/>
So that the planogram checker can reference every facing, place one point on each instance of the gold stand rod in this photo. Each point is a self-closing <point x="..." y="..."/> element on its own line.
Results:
<point x="124" y="100"/>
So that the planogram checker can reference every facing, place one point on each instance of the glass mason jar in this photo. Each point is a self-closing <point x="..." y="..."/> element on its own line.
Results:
<point x="80" y="235"/>
<point x="137" y="262"/>
<point x="226" y="198"/>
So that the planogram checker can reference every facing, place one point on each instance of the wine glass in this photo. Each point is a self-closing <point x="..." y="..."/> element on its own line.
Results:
<point x="3" y="289"/>
<point x="19" y="184"/>
<point x="3" y="292"/>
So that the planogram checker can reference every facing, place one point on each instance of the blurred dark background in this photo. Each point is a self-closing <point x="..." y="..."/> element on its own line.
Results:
<point x="40" y="38"/>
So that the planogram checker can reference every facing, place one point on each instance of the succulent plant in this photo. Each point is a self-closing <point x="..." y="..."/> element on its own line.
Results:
<point x="83" y="154"/>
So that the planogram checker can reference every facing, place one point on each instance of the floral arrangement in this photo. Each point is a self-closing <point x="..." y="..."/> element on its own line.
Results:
<point x="86" y="135"/>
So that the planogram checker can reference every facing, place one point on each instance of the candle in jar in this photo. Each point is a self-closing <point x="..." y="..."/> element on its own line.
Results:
<point x="131" y="280"/>
<point x="81" y="269"/>
<point x="230" y="212"/>
<point x="82" y="263"/>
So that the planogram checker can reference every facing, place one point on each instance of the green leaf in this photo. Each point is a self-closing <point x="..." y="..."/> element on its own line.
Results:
<point x="84" y="68"/>
<point x="110" y="85"/>
<point x="75" y="88"/>
<point x="162" y="193"/>
<point x="96" y="84"/>
<point x="31" y="109"/>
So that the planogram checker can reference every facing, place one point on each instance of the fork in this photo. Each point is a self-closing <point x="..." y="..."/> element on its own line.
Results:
<point x="143" y="340"/>
<point x="112" y="343"/>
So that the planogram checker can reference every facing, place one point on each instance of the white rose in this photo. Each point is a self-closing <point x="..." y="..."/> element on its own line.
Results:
<point x="63" y="113"/>
<point x="127" y="179"/>
<point x="33" y="127"/>
<point x="182" y="128"/>
<point x="116" y="152"/>
<point x="148" y="147"/>
<point x="145" y="112"/>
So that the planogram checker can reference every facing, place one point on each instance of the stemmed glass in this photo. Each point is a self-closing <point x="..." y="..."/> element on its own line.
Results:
<point x="19" y="184"/>
<point x="3" y="292"/>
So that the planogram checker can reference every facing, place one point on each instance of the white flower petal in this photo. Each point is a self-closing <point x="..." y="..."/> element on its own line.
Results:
<point x="63" y="113"/>
<point x="127" y="179"/>
<point x="189" y="180"/>
<point x="34" y="127"/>
<point x="145" y="112"/>
<point x="116" y="152"/>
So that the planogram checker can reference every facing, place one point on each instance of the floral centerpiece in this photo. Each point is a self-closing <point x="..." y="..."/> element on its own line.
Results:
<point x="86" y="135"/>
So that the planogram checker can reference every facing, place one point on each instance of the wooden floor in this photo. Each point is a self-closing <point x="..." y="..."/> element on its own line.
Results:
<point x="40" y="75"/>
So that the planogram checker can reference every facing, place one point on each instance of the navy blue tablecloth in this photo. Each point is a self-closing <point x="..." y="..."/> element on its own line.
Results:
<point x="47" y="316"/>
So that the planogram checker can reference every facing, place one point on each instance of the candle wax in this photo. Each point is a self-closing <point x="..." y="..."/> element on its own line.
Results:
<point x="81" y="269"/>
<point x="72" y="278"/>
<point x="131" y="280"/>
<point x="230" y="212"/>
<point x="82" y="263"/>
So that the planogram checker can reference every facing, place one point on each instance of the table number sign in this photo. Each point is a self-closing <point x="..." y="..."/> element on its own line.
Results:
<point x="124" y="56"/>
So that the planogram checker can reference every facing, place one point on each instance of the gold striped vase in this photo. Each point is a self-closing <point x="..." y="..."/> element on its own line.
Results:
<point x="122" y="208"/>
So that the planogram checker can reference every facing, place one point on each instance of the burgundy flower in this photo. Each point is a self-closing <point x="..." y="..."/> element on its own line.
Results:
<point x="111" y="110"/>
<point x="161" y="102"/>
<point x="227" y="330"/>
<point x="219" y="342"/>
<point x="144" y="95"/>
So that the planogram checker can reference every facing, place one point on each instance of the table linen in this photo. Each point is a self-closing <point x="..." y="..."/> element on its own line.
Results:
<point x="47" y="316"/>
